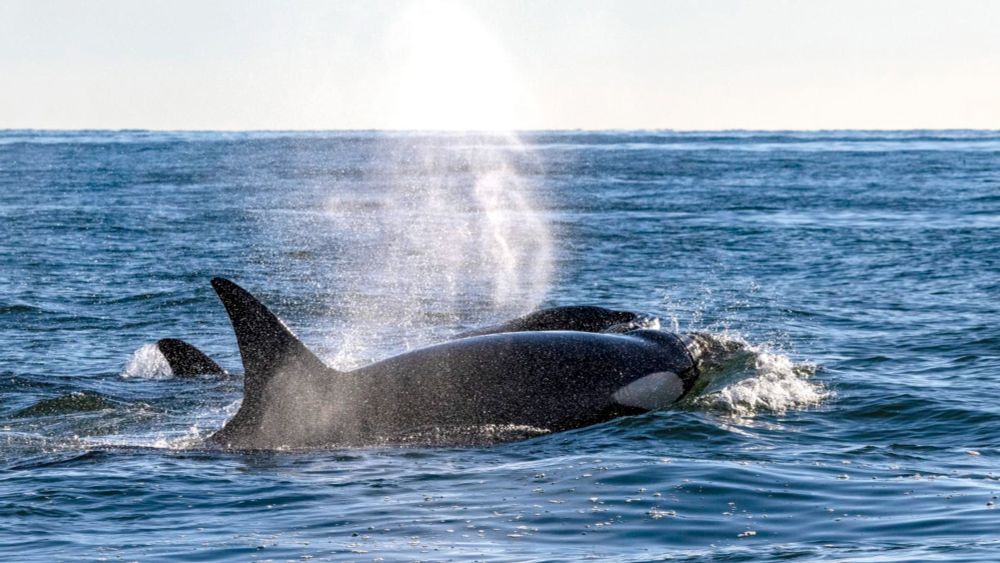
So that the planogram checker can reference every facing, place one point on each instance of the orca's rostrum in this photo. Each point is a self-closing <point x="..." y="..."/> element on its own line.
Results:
<point x="549" y="380"/>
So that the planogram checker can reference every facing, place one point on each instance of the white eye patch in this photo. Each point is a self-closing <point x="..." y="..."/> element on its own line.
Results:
<point x="651" y="392"/>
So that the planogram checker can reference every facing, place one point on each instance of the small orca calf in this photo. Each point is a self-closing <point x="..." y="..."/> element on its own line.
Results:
<point x="525" y="373"/>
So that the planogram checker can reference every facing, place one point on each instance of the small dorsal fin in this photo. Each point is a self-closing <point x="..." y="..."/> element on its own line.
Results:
<point x="266" y="345"/>
<point x="583" y="318"/>
<point x="185" y="360"/>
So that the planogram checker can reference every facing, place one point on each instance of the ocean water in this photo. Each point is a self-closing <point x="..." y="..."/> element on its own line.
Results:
<point x="849" y="281"/>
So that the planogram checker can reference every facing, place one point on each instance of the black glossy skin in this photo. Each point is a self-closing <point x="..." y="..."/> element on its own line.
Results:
<point x="547" y="380"/>
<point x="583" y="318"/>
<point x="187" y="361"/>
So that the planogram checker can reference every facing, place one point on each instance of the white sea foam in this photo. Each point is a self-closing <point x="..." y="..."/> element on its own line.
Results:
<point x="202" y="425"/>
<point x="743" y="380"/>
<point x="147" y="363"/>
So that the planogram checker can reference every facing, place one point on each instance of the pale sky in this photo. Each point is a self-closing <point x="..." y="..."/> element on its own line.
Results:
<point x="500" y="64"/>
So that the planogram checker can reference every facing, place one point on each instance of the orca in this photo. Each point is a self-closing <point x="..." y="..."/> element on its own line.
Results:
<point x="185" y="360"/>
<point x="549" y="381"/>
<point x="582" y="318"/>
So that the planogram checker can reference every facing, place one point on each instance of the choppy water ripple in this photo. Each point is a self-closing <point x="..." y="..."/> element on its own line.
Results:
<point x="848" y="280"/>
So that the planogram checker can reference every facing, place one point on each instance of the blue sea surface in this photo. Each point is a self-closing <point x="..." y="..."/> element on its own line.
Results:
<point x="850" y="282"/>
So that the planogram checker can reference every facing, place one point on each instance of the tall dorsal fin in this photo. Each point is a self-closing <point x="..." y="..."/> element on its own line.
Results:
<point x="185" y="360"/>
<point x="266" y="345"/>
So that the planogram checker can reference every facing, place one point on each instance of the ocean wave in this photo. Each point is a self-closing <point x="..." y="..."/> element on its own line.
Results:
<point x="743" y="380"/>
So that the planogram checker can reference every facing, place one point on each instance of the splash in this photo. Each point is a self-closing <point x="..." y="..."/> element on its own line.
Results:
<point x="456" y="234"/>
<point x="474" y="435"/>
<point x="147" y="363"/>
<point x="189" y="432"/>
<point x="742" y="380"/>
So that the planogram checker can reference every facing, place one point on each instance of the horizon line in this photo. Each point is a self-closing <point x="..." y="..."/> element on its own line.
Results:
<point x="499" y="131"/>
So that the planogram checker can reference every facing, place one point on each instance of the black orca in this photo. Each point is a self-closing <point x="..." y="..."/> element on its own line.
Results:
<point x="582" y="318"/>
<point x="550" y="381"/>
<point x="185" y="360"/>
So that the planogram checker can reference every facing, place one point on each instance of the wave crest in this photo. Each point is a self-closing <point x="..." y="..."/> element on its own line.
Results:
<point x="743" y="380"/>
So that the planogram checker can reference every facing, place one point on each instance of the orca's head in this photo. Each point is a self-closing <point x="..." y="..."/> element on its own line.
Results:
<point x="675" y="378"/>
